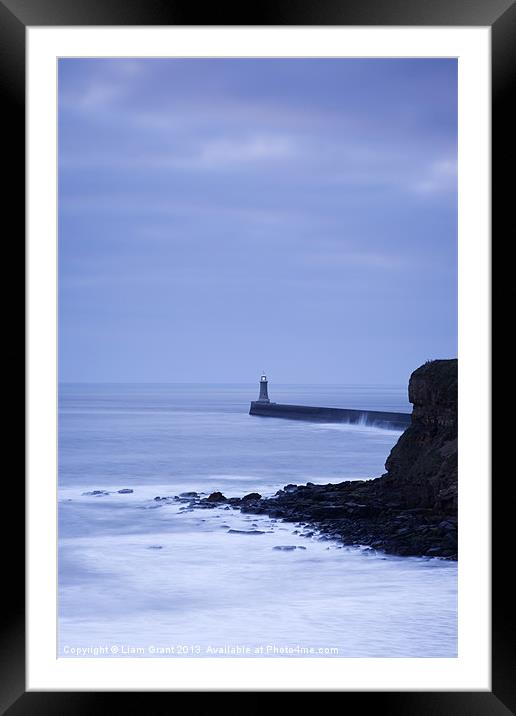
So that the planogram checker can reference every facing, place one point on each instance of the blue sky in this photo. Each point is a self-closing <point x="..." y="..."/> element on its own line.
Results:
<point x="222" y="217"/>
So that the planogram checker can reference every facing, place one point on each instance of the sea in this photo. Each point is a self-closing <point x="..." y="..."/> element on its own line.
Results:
<point x="140" y="577"/>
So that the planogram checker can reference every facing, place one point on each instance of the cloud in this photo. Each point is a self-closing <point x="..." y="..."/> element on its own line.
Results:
<point x="94" y="97"/>
<point x="440" y="177"/>
<point x="339" y="260"/>
<point x="260" y="148"/>
<point x="182" y="151"/>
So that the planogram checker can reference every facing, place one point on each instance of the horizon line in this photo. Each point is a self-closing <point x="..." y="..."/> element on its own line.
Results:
<point x="201" y="382"/>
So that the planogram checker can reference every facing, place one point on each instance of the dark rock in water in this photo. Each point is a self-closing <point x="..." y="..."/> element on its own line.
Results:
<point x="276" y="513"/>
<point x="251" y="497"/>
<point x="125" y="491"/>
<point x="330" y="511"/>
<point x="216" y="497"/>
<point x="287" y="547"/>
<point x="246" y="532"/>
<point x="96" y="493"/>
<point x="188" y="494"/>
<point x="155" y="546"/>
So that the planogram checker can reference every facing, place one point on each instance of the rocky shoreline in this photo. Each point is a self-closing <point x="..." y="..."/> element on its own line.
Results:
<point x="411" y="510"/>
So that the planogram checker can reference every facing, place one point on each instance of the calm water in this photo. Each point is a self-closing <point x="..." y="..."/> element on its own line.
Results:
<point x="142" y="579"/>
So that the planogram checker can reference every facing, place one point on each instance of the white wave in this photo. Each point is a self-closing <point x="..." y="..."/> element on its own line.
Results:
<point x="207" y="587"/>
<point x="361" y="427"/>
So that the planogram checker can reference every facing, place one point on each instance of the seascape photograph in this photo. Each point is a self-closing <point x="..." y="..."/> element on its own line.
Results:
<point x="257" y="336"/>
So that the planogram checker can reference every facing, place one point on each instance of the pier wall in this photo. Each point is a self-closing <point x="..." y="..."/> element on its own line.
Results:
<point x="310" y="413"/>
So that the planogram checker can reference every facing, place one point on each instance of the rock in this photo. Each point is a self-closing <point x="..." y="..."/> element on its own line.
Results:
<point x="246" y="532"/>
<point x="96" y="493"/>
<point x="125" y="491"/>
<point x="252" y="496"/>
<point x="331" y="511"/>
<point x="216" y="497"/>
<point x="285" y="548"/>
<point x="433" y="551"/>
<point x="449" y="554"/>
<point x="422" y="466"/>
<point x="277" y="513"/>
<point x="155" y="546"/>
<point x="448" y="526"/>
<point x="188" y="494"/>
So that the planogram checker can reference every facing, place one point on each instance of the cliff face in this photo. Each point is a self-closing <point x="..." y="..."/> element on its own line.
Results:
<point x="422" y="466"/>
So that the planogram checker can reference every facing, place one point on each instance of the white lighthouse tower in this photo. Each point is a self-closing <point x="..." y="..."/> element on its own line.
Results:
<point x="264" y="395"/>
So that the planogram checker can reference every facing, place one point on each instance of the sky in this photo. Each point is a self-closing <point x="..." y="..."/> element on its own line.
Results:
<point x="223" y="217"/>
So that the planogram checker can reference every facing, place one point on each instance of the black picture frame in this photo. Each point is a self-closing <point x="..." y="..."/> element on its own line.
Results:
<point x="500" y="15"/>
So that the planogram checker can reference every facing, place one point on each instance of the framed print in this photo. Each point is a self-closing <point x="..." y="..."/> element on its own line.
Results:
<point x="258" y="365"/>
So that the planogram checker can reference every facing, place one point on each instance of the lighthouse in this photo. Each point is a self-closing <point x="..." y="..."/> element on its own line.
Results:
<point x="264" y="396"/>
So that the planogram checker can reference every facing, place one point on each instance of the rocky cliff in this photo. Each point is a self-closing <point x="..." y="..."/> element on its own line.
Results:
<point x="422" y="466"/>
